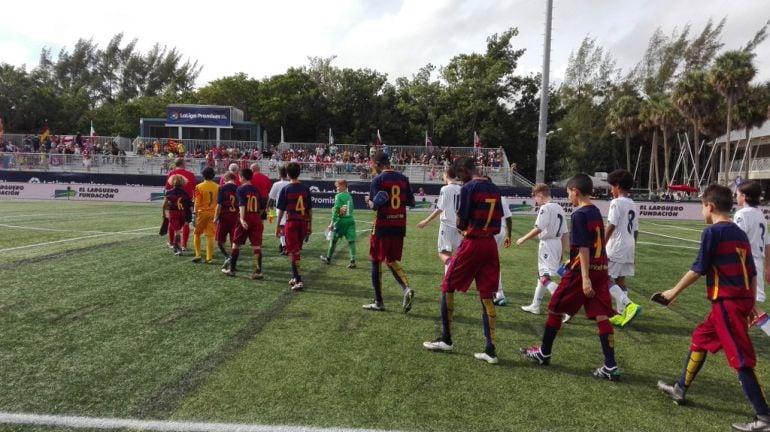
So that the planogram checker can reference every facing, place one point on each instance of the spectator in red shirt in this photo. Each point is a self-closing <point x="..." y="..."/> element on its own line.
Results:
<point x="260" y="181"/>
<point x="233" y="168"/>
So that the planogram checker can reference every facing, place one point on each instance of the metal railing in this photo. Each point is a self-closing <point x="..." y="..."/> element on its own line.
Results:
<point x="192" y="145"/>
<point x="26" y="141"/>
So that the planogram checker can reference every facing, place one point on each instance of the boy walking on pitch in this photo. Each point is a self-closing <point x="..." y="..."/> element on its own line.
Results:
<point x="251" y="205"/>
<point x="551" y="229"/>
<point x="585" y="282"/>
<point x="477" y="258"/>
<point x="449" y="236"/>
<point x="176" y="205"/>
<point x="620" y="237"/>
<point x="294" y="201"/>
<point x="342" y="224"/>
<point x="275" y="190"/>
<point x="752" y="222"/>
<point x="725" y="258"/>
<point x="226" y="215"/>
<point x="389" y="195"/>
<point x="205" y="208"/>
<point x="503" y="238"/>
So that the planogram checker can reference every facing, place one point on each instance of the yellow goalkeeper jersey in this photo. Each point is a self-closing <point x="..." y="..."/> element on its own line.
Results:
<point x="206" y="196"/>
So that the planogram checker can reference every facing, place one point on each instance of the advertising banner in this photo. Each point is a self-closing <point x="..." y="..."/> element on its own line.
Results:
<point x="198" y="116"/>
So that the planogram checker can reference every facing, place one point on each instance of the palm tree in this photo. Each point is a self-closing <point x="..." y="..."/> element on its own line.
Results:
<point x="623" y="119"/>
<point x="648" y="119"/>
<point x="667" y="117"/>
<point x="730" y="76"/>
<point x="695" y="99"/>
<point x="752" y="110"/>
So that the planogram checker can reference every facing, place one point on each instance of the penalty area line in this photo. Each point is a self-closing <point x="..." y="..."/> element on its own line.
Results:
<point x="155" y="425"/>
<point x="73" y="239"/>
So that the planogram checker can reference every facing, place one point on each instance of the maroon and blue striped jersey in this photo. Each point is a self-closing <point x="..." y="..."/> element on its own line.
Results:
<point x="227" y="198"/>
<point x="390" y="220"/>
<point x="481" y="211"/>
<point x="588" y="232"/>
<point x="725" y="258"/>
<point x="250" y="198"/>
<point x="177" y="200"/>
<point x="294" y="199"/>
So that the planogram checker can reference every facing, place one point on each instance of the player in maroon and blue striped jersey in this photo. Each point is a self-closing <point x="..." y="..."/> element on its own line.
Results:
<point x="226" y="215"/>
<point x="176" y="206"/>
<point x="295" y="200"/>
<point x="479" y="218"/>
<point x="387" y="240"/>
<point x="251" y="206"/>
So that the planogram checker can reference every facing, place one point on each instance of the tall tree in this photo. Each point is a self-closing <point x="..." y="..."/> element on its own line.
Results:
<point x="696" y="100"/>
<point x="623" y="119"/>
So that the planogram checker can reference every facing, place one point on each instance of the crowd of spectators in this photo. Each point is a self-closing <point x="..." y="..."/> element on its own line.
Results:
<point x="41" y="151"/>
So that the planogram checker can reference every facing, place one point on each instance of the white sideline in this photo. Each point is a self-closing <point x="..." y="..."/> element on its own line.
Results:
<point x="155" y="425"/>
<point x="74" y="239"/>
<point x="670" y="237"/>
<point x="667" y="245"/>
<point x="60" y="230"/>
<point x="675" y="227"/>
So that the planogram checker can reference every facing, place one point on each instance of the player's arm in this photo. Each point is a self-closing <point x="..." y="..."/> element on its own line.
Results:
<point x="564" y="245"/>
<point x="410" y="202"/>
<point x="767" y="266"/>
<point x="508" y="230"/>
<point x="309" y="221"/>
<point x="338" y="204"/>
<point x="242" y="212"/>
<point x="688" y="279"/>
<point x="608" y="232"/>
<point x="423" y="223"/>
<point x="584" y="254"/>
<point x="163" y="208"/>
<point x="217" y="212"/>
<point x="532" y="233"/>
<point x="197" y="199"/>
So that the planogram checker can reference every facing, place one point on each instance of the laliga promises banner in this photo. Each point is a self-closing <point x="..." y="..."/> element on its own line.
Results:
<point x="198" y="116"/>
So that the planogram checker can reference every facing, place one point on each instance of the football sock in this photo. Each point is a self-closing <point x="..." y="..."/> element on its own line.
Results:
<point x="398" y="273"/>
<point x="549" y="284"/>
<point x="209" y="247"/>
<point x="607" y="338"/>
<point x="447" y="309"/>
<point x="234" y="259"/>
<point x="332" y="246"/>
<point x="617" y="294"/>
<point x="446" y="267"/>
<point x="352" y="250"/>
<point x="763" y="323"/>
<point x="753" y="391"/>
<point x="552" y="326"/>
<point x="295" y="268"/>
<point x="258" y="260"/>
<point x="500" y="293"/>
<point x="692" y="364"/>
<point x="170" y="236"/>
<point x="539" y="293"/>
<point x="197" y="244"/>
<point x="489" y="318"/>
<point x="185" y="234"/>
<point x="377" y="282"/>
<point x="283" y="241"/>
<point x="222" y="249"/>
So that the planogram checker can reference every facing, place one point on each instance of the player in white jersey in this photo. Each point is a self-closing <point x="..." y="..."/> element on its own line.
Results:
<point x="752" y="221"/>
<point x="503" y="238"/>
<point x="449" y="236"/>
<point x="275" y="191"/>
<point x="620" y="241"/>
<point x="551" y="229"/>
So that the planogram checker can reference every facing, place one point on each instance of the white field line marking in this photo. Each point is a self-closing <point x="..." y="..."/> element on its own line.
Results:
<point x="58" y="216"/>
<point x="29" y="228"/>
<point x="670" y="237"/>
<point x="154" y="425"/>
<point x="675" y="226"/>
<point x="72" y="239"/>
<point x="669" y="246"/>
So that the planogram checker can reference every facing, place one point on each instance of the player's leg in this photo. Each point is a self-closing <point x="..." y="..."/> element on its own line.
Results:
<point x="282" y="239"/>
<point x="209" y="233"/>
<point x="487" y="281"/>
<point x="221" y="232"/>
<point x="255" y="237"/>
<point x="185" y="235"/>
<point x="609" y="370"/>
<point x="762" y="320"/>
<point x="234" y="254"/>
<point x="376" y="273"/>
<point x="199" y="229"/>
<point x="627" y="309"/>
<point x="327" y="259"/>
<point x="704" y="338"/>
<point x="548" y="256"/>
<point x="351" y="237"/>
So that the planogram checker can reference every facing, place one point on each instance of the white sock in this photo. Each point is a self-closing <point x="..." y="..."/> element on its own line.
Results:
<point x="539" y="294"/>
<point x="500" y="294"/>
<point x="446" y="267"/>
<point x="283" y="241"/>
<point x="552" y="287"/>
<point x="617" y="293"/>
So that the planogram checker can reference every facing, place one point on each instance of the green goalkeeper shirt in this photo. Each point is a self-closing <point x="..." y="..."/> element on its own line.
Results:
<point x="342" y="199"/>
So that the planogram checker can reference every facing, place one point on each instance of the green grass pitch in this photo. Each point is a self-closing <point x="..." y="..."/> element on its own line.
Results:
<point x="98" y="318"/>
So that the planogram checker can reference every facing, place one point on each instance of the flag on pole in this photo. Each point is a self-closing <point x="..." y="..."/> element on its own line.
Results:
<point x="428" y="141"/>
<point x="282" y="134"/>
<point x="45" y="134"/>
<point x="379" y="138"/>
<point x="476" y="140"/>
<point x="93" y="131"/>
<point x="331" y="137"/>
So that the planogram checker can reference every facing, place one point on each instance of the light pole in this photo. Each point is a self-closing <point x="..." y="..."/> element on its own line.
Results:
<point x="543" y="123"/>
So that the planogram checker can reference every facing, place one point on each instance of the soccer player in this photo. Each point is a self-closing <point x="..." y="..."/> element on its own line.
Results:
<point x="189" y="187"/>
<point x="206" y="194"/>
<point x="752" y="222"/>
<point x="551" y="229"/>
<point x="275" y="190"/>
<point x="342" y="224"/>
<point x="477" y="257"/>
<point x="387" y="240"/>
<point x="725" y="258"/>
<point x="232" y="168"/>
<point x="295" y="201"/>
<point x="176" y="205"/>
<point x="226" y="215"/>
<point x="503" y="238"/>
<point x="620" y="238"/>
<point x="585" y="283"/>
<point x="449" y="236"/>
<point x="251" y="205"/>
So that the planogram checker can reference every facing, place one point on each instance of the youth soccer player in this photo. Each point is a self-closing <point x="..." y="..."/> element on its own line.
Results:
<point x="176" y="205"/>
<point x="275" y="190"/>
<point x="387" y="240"/>
<point x="205" y="208"/>
<point x="449" y="236"/>
<point x="477" y="258"/>
<point x="295" y="201"/>
<point x="585" y="283"/>
<point x="551" y="229"/>
<point x="226" y="215"/>
<point x="620" y="238"/>
<point x="752" y="222"/>
<point x="342" y="224"/>
<point x="189" y="188"/>
<point x="503" y="238"/>
<point x="251" y="205"/>
<point x="725" y="258"/>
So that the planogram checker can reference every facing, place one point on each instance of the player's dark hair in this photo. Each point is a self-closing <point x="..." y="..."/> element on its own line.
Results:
<point x="282" y="171"/>
<point x="752" y="190"/>
<point x="622" y="179"/>
<point x="208" y="173"/>
<point x="381" y="159"/>
<point x="450" y="171"/>
<point x="541" y="188"/>
<point x="720" y="196"/>
<point x="179" y="163"/>
<point x="247" y="174"/>
<point x="465" y="163"/>
<point x="228" y="176"/>
<point x="582" y="182"/>
<point x="293" y="169"/>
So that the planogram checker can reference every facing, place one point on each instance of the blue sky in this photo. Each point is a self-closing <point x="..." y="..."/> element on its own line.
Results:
<point x="396" y="37"/>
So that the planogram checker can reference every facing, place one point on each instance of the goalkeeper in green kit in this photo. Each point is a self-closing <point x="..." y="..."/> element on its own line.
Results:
<point x="343" y="224"/>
